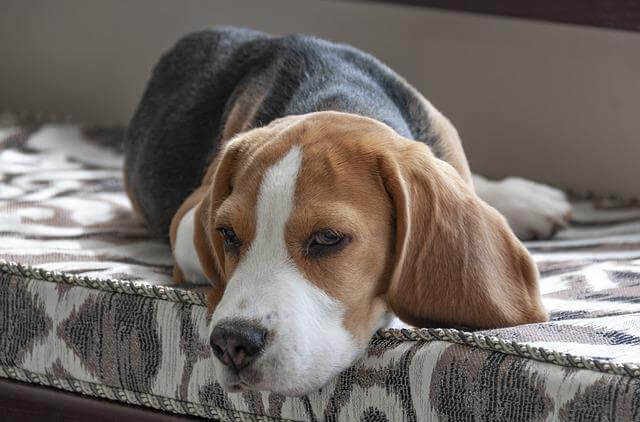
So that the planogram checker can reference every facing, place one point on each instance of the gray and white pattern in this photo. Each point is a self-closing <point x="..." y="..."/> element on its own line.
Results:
<point x="90" y="308"/>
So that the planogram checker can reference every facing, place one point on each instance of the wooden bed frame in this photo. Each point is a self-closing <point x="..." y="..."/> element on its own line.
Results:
<point x="614" y="14"/>
<point x="30" y="403"/>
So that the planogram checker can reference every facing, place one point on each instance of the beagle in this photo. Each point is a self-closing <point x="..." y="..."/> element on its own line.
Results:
<point x="320" y="196"/>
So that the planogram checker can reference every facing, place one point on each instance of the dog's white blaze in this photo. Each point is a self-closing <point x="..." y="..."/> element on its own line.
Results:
<point x="310" y="342"/>
<point x="185" y="250"/>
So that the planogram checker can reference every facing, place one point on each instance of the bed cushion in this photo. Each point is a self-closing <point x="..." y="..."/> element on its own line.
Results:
<point x="87" y="305"/>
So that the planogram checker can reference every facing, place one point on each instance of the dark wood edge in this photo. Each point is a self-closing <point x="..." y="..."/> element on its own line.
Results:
<point x="26" y="402"/>
<point x="614" y="14"/>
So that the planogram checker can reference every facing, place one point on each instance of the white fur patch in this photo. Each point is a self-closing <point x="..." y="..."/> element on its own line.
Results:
<point x="185" y="252"/>
<point x="533" y="210"/>
<point x="307" y="342"/>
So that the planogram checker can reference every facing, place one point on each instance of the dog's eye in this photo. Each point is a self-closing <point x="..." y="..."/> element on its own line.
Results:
<point x="324" y="242"/>
<point x="229" y="236"/>
<point x="327" y="237"/>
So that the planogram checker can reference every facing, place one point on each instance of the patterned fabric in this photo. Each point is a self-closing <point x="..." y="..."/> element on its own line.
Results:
<point x="90" y="308"/>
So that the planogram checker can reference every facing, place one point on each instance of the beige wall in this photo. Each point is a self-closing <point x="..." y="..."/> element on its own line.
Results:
<point x="551" y="102"/>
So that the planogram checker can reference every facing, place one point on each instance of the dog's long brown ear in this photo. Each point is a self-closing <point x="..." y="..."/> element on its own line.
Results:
<point x="456" y="260"/>
<point x="215" y="188"/>
<point x="218" y="186"/>
<point x="205" y="245"/>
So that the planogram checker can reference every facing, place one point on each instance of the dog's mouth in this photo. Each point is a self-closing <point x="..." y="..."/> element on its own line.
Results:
<point x="237" y="387"/>
<point x="236" y="381"/>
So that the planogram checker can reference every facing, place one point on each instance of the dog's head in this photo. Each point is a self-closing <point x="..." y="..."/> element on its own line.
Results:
<point x="316" y="229"/>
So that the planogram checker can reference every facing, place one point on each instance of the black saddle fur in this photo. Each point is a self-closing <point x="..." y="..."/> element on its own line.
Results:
<point x="176" y="129"/>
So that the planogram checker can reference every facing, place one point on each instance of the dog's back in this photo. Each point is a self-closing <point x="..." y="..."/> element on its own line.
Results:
<point x="216" y="83"/>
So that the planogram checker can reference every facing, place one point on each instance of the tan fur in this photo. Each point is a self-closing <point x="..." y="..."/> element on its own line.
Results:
<point x="132" y="197"/>
<point x="234" y="167"/>
<point x="449" y="141"/>
<point x="338" y="188"/>
<point x="457" y="260"/>
<point x="248" y="101"/>
<point x="422" y="242"/>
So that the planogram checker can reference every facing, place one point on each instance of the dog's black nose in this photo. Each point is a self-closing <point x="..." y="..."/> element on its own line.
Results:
<point x="236" y="343"/>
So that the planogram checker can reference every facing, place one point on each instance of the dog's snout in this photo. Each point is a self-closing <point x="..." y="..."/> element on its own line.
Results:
<point x="236" y="343"/>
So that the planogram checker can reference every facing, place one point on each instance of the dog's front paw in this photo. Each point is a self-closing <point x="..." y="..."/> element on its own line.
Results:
<point x="534" y="211"/>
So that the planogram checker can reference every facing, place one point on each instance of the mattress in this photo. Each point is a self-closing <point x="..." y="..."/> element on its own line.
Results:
<point x="87" y="305"/>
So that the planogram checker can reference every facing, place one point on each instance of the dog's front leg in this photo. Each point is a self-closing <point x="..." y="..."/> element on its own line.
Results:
<point x="533" y="210"/>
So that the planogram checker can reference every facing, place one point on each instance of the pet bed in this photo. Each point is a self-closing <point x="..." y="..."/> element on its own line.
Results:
<point x="87" y="305"/>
